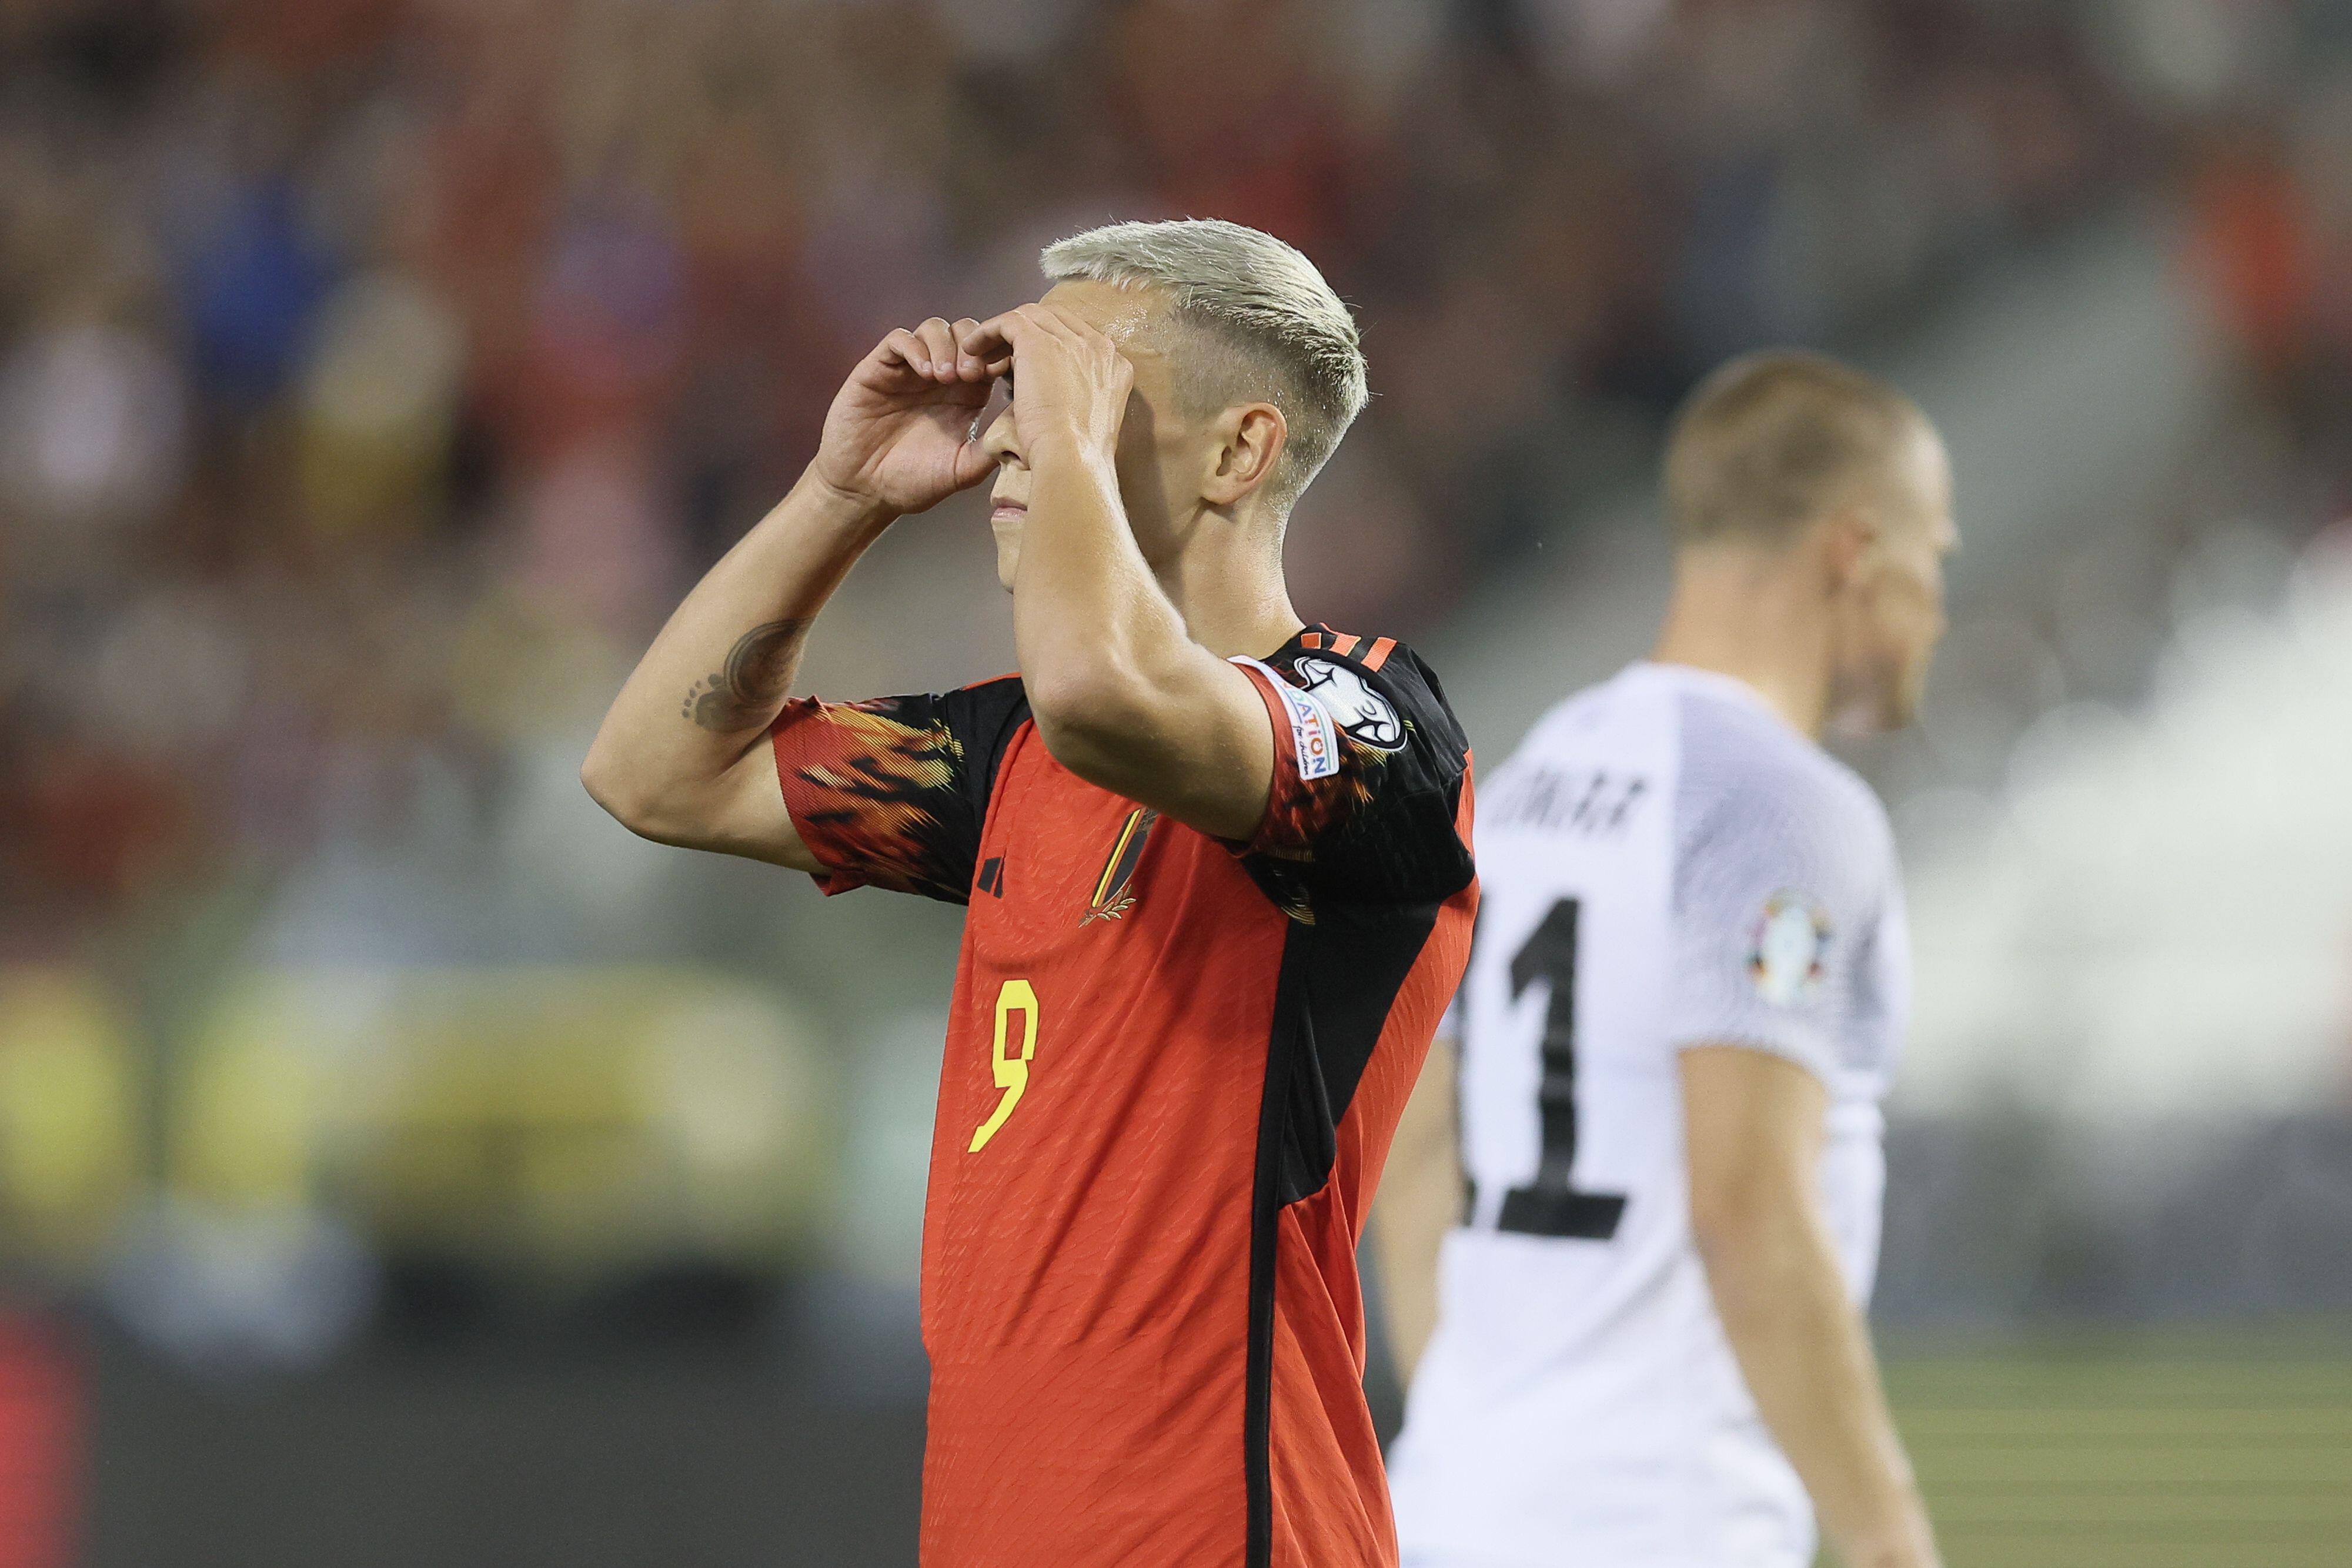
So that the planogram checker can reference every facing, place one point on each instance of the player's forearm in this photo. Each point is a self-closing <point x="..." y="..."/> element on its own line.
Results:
<point x="706" y="690"/>
<point x="1806" y="1354"/>
<point x="1093" y="625"/>
<point x="1109" y="666"/>
<point x="1420" y="1196"/>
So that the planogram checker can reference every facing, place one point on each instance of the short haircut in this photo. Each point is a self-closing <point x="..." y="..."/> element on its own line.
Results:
<point x="1277" y="332"/>
<point x="1773" y="440"/>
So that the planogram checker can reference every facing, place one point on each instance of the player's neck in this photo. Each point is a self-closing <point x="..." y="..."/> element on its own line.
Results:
<point x="1752" y="620"/>
<point x="1234" y="599"/>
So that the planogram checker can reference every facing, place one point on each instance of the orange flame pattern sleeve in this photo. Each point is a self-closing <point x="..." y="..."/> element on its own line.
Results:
<point x="891" y="793"/>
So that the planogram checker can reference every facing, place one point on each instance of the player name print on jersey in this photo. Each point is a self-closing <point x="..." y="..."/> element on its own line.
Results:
<point x="1589" y="800"/>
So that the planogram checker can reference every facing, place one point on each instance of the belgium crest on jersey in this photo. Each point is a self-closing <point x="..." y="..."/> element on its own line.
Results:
<point x="1115" y="889"/>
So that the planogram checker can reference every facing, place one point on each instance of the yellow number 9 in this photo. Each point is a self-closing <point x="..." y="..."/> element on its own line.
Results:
<point x="1012" y="1068"/>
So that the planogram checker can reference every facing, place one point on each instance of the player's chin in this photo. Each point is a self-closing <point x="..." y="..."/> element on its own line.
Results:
<point x="1900" y="706"/>
<point x="1888" y="703"/>
<point x="1008" y="555"/>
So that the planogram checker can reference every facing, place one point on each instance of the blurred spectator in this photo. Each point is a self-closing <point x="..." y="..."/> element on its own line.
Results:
<point x="339" y="326"/>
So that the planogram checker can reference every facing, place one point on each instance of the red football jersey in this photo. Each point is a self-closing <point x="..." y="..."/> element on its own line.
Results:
<point x="1172" y="1071"/>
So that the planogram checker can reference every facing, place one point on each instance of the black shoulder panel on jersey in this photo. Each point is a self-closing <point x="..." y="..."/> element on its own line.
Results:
<point x="986" y="717"/>
<point x="1340" y="978"/>
<point x="1379" y="821"/>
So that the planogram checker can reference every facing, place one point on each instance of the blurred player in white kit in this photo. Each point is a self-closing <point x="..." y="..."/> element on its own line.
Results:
<point x="1681" y="1012"/>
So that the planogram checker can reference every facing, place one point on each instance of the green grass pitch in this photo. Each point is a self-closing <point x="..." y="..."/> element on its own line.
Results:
<point x="2216" y="1449"/>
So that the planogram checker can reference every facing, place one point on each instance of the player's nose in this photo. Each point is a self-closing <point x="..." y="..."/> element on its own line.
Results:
<point x="1001" y="441"/>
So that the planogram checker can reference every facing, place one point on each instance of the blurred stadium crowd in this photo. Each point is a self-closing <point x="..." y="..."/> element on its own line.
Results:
<point x="378" y="371"/>
<point x="375" y="373"/>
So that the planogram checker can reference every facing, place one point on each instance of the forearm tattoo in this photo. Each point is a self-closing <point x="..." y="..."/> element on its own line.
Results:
<point x="758" y="675"/>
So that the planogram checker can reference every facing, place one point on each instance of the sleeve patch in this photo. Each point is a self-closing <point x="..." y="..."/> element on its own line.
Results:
<point x="1370" y="718"/>
<point x="1314" y="740"/>
<point x="1788" y="959"/>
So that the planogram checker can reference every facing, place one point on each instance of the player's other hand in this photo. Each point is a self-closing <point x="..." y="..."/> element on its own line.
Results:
<point x="1070" y="383"/>
<point x="900" y="433"/>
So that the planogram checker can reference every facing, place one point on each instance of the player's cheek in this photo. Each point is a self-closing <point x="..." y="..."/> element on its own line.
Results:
<point x="1008" y="550"/>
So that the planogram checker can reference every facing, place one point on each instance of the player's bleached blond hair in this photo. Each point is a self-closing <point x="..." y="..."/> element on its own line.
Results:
<point x="1773" y="440"/>
<point x="1277" y="332"/>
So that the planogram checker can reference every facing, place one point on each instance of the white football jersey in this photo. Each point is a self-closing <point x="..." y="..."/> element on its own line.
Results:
<point x="1665" y="863"/>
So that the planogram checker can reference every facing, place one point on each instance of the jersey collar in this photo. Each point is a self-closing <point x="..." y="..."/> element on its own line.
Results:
<point x="1715" y="683"/>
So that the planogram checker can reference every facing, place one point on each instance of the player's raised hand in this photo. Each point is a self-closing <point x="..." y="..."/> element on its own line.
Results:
<point x="900" y="432"/>
<point x="1070" y="380"/>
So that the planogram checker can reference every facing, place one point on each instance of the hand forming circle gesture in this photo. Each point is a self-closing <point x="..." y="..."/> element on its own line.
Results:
<point x="1071" y="381"/>
<point x="900" y="432"/>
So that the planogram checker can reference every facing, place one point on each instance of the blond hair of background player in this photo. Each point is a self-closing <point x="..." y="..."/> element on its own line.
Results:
<point x="1811" y="510"/>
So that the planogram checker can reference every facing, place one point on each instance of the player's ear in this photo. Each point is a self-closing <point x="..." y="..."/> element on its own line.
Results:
<point x="1251" y="436"/>
<point x="1848" y="536"/>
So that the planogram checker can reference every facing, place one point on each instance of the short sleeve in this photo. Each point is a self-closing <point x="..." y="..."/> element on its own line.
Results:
<point x="1774" y="896"/>
<point x="1371" y="796"/>
<point x="893" y="793"/>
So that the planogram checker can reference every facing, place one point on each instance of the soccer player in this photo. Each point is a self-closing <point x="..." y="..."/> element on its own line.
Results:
<point x="1683" y="1008"/>
<point x="1218" y="882"/>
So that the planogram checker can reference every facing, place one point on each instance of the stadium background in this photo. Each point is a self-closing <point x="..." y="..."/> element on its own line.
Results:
<point x="400" y="1165"/>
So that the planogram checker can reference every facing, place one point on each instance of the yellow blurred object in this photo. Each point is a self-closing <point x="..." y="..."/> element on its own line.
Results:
<point x="249" y="1102"/>
<point x="379" y="402"/>
<point x="68" y="1120"/>
<point x="555" y="1118"/>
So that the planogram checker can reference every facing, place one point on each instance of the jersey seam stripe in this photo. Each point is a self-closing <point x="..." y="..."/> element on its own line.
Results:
<point x="1378" y="653"/>
<point x="1266" y="1222"/>
<point x="1344" y="642"/>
